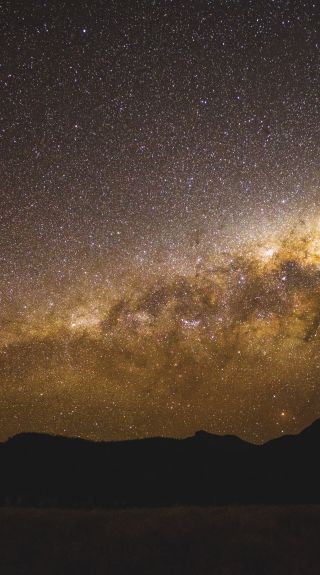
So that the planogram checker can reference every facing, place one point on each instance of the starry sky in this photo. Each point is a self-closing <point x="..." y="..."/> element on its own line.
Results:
<point x="159" y="217"/>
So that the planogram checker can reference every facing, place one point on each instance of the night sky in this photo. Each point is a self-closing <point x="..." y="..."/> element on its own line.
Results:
<point x="159" y="217"/>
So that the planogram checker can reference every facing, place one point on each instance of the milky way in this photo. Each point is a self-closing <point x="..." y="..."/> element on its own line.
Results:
<point x="160" y="218"/>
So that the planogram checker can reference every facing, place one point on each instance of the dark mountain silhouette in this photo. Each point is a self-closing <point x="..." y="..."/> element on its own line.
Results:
<point x="44" y="470"/>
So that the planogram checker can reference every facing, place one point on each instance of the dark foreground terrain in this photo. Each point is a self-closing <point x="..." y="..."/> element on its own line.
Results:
<point x="178" y="540"/>
<point x="46" y="471"/>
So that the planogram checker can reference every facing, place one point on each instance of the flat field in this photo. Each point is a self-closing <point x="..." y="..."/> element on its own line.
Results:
<point x="178" y="540"/>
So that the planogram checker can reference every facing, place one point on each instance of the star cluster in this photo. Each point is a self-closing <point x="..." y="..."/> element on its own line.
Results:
<point x="160" y="217"/>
